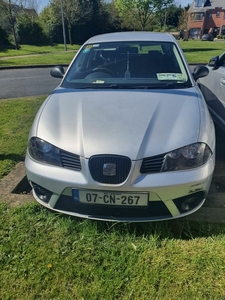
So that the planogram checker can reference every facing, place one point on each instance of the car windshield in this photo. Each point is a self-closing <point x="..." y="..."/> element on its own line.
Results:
<point x="128" y="65"/>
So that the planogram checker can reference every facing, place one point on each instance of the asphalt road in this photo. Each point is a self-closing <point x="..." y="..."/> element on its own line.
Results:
<point x="26" y="82"/>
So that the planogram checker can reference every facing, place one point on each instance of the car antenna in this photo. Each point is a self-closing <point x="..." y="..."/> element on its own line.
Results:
<point x="127" y="73"/>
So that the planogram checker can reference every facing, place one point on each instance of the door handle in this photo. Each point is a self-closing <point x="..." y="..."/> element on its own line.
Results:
<point x="222" y="81"/>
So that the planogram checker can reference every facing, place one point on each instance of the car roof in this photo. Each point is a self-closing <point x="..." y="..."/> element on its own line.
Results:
<point x="132" y="36"/>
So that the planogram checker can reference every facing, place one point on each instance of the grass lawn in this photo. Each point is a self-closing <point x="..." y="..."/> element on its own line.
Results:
<point x="201" y="51"/>
<point x="195" y="51"/>
<point x="48" y="256"/>
<point x="16" y="118"/>
<point x="30" y="49"/>
<point x="46" y="59"/>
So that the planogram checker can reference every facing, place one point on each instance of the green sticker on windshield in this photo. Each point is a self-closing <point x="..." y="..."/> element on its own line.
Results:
<point x="170" y="76"/>
<point x="87" y="48"/>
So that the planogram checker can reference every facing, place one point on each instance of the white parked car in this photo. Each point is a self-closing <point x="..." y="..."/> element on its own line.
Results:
<point x="213" y="89"/>
<point x="126" y="136"/>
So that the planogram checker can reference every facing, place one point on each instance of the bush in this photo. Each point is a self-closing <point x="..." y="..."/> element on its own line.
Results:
<point x="3" y="37"/>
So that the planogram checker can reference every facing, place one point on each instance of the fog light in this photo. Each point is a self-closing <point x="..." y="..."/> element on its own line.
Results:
<point x="188" y="204"/>
<point x="42" y="193"/>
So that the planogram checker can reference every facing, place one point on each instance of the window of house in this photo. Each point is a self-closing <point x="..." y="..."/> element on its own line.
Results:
<point x="209" y="15"/>
<point x="217" y="14"/>
<point x="223" y="30"/>
<point x="199" y="3"/>
<point x="197" y="16"/>
<point x="194" y="33"/>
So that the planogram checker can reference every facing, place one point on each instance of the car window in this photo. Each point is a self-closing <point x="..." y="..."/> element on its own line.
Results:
<point x="127" y="64"/>
<point x="222" y="60"/>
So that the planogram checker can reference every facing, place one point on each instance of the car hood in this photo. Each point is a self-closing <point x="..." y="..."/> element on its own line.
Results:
<point x="133" y="123"/>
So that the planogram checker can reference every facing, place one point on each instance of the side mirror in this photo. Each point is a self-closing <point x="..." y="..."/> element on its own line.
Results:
<point x="57" y="72"/>
<point x="214" y="62"/>
<point x="199" y="72"/>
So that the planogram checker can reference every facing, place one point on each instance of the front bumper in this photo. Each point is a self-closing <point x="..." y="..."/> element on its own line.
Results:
<point x="171" y="194"/>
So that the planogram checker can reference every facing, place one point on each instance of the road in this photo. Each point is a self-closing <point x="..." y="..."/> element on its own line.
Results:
<point x="26" y="82"/>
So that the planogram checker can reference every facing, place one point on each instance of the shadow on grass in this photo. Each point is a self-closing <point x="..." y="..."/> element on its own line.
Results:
<point x="14" y="157"/>
<point x="199" y="49"/>
<point x="5" y="48"/>
<point x="175" y="229"/>
<point x="179" y="229"/>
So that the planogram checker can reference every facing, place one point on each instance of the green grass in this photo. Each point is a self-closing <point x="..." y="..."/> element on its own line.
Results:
<point x="195" y="51"/>
<point x="16" y="118"/>
<point x="48" y="256"/>
<point x="46" y="59"/>
<point x="29" y="49"/>
<point x="201" y="52"/>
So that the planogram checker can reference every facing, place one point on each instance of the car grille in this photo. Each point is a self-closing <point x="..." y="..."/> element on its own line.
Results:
<point x="70" y="160"/>
<point x="122" y="168"/>
<point x="152" y="164"/>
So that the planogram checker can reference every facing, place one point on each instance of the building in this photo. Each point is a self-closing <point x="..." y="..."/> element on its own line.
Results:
<point x="206" y="16"/>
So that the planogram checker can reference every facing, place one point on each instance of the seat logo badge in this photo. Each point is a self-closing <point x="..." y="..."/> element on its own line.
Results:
<point x="109" y="169"/>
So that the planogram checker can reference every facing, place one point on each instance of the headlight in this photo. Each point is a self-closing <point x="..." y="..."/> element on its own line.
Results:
<point x="188" y="157"/>
<point x="44" y="152"/>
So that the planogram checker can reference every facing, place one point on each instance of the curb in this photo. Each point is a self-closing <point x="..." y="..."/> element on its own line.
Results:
<point x="9" y="184"/>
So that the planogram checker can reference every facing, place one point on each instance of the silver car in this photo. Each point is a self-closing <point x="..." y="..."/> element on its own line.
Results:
<point x="126" y="136"/>
<point x="213" y="89"/>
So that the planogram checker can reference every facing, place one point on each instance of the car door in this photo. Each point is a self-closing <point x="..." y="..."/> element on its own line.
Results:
<point x="213" y="89"/>
<point x="219" y="83"/>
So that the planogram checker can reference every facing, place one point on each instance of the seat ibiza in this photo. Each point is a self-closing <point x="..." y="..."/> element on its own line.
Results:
<point x="126" y="136"/>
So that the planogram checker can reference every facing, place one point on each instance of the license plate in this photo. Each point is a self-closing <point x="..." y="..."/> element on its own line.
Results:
<point x="110" y="198"/>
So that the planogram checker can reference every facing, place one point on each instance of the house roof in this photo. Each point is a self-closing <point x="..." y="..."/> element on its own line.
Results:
<point x="204" y="5"/>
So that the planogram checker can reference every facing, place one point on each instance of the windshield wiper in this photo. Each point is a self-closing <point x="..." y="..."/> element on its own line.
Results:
<point x="179" y="85"/>
<point x="135" y="86"/>
<point x="163" y="86"/>
<point x="99" y="86"/>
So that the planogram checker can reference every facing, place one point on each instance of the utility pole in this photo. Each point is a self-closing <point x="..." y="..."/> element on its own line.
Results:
<point x="165" y="22"/>
<point x="63" y="25"/>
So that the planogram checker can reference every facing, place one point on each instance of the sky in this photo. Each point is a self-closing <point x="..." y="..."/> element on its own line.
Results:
<point x="43" y="3"/>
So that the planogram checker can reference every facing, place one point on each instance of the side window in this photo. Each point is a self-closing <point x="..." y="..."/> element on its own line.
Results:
<point x="222" y="61"/>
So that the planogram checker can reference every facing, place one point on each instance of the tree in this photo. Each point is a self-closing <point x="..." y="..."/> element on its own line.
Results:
<point x="168" y="18"/>
<point x="3" y="37"/>
<point x="29" y="31"/>
<point x="51" y="24"/>
<point x="183" y="20"/>
<point x="10" y="12"/>
<point x="142" y="10"/>
<point x="74" y="11"/>
<point x="114" y="18"/>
